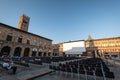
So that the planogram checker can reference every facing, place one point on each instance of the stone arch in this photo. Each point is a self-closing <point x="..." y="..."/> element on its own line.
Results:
<point x="39" y="53"/>
<point x="17" y="51"/>
<point x="45" y="54"/>
<point x="26" y="52"/>
<point x="55" y="54"/>
<point x="34" y="53"/>
<point x="5" y="51"/>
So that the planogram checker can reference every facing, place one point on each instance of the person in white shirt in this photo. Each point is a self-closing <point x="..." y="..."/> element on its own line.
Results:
<point x="6" y="65"/>
<point x="10" y="68"/>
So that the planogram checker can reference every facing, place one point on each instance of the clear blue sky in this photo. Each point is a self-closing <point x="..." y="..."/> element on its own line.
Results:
<point x="64" y="20"/>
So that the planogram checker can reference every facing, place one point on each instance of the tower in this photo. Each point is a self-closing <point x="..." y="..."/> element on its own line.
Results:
<point x="90" y="47"/>
<point x="24" y="23"/>
<point x="91" y="44"/>
<point x="89" y="37"/>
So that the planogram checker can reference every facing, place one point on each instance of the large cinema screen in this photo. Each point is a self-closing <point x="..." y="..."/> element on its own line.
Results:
<point x="74" y="47"/>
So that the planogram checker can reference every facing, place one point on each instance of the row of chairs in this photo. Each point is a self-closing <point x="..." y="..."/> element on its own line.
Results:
<point x="22" y="63"/>
<point x="90" y="66"/>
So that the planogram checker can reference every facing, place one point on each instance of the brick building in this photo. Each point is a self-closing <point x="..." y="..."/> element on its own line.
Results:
<point x="20" y="42"/>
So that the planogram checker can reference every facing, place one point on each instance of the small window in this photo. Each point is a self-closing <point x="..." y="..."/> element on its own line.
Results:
<point x="28" y="41"/>
<point x="24" y="24"/>
<point x="20" y="39"/>
<point x="45" y="43"/>
<point x="40" y="43"/>
<point x="9" y="38"/>
<point x="34" y="43"/>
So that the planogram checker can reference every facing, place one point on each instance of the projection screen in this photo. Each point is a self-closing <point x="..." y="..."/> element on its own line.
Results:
<point x="74" y="47"/>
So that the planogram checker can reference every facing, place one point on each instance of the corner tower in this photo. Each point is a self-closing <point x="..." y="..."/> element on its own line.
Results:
<point x="24" y="23"/>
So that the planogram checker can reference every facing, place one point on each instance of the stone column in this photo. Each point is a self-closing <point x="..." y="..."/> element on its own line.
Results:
<point x="22" y="52"/>
<point x="37" y="54"/>
<point x="30" y="53"/>
<point x="12" y="50"/>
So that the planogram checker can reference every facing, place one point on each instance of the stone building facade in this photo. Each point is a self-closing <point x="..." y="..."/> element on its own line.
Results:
<point x="20" y="42"/>
<point x="58" y="49"/>
<point x="55" y="49"/>
<point x="106" y="47"/>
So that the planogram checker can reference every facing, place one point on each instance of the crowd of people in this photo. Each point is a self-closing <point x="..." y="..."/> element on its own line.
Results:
<point x="9" y="66"/>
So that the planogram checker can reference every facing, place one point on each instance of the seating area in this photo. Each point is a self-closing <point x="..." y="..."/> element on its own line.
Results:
<point x="22" y="63"/>
<point x="11" y="70"/>
<point x="61" y="59"/>
<point x="90" y="66"/>
<point x="35" y="60"/>
<point x="86" y="66"/>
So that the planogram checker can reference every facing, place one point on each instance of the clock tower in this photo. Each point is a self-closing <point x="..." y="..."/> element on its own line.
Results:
<point x="24" y="23"/>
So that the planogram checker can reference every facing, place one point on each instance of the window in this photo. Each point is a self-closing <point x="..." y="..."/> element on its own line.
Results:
<point x="40" y="43"/>
<point x="24" y="21"/>
<point x="28" y="41"/>
<point x="34" y="43"/>
<point x="20" y="39"/>
<point x="45" y="43"/>
<point x="9" y="38"/>
<point x="24" y="24"/>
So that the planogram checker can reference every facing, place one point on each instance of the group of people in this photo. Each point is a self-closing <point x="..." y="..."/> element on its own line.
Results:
<point x="8" y="65"/>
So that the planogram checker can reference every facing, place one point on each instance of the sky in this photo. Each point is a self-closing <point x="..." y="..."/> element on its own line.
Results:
<point x="65" y="20"/>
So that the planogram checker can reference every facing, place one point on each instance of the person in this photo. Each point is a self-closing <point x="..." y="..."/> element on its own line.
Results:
<point x="6" y="65"/>
<point x="11" y="69"/>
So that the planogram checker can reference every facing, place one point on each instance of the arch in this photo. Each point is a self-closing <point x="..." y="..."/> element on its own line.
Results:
<point x="5" y="51"/>
<point x="40" y="54"/>
<point x="34" y="53"/>
<point x="26" y="52"/>
<point x="45" y="54"/>
<point x="55" y="54"/>
<point x="17" y="51"/>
